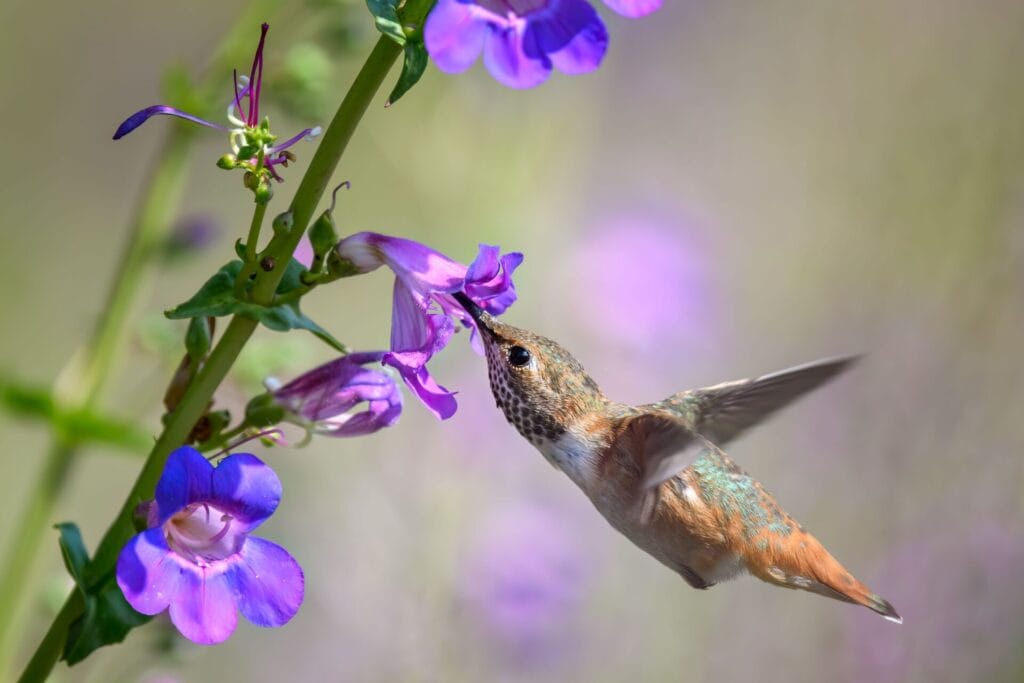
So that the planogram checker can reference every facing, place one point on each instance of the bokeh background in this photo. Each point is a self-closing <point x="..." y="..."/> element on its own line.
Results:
<point x="741" y="187"/>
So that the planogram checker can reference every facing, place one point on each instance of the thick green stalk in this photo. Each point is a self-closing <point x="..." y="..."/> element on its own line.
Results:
<point x="199" y="393"/>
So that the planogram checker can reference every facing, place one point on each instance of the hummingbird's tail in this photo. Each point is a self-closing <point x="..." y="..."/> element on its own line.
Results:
<point x="799" y="560"/>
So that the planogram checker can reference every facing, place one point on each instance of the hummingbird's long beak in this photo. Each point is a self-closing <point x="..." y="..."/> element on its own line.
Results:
<point x="478" y="314"/>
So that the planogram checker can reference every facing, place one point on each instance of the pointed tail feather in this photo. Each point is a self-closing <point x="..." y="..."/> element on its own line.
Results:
<point x="800" y="561"/>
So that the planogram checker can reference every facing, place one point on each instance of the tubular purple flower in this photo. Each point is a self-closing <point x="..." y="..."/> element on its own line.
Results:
<point x="421" y="319"/>
<point x="197" y="559"/>
<point x="521" y="40"/>
<point x="247" y="134"/>
<point x="325" y="396"/>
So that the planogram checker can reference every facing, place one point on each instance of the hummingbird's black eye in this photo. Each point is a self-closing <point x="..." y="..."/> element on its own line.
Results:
<point x="518" y="356"/>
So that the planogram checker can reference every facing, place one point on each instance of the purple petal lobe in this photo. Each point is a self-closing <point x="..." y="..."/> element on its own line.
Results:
<point x="205" y="610"/>
<point x="247" y="487"/>
<point x="140" y="117"/>
<point x="148" y="573"/>
<point x="435" y="397"/>
<point x="454" y="35"/>
<point x="186" y="479"/>
<point x="584" y="52"/>
<point x="489" y="279"/>
<point x="506" y="60"/>
<point x="552" y="29"/>
<point x="634" y="8"/>
<point x="268" y="583"/>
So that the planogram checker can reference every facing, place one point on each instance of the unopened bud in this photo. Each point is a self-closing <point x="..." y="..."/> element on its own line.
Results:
<point x="264" y="192"/>
<point x="283" y="223"/>
<point x="228" y="162"/>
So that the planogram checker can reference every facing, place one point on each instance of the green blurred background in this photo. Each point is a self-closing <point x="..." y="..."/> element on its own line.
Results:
<point x="742" y="186"/>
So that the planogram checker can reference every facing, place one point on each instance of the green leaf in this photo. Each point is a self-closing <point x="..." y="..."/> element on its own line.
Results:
<point x="91" y="426"/>
<point x="78" y="425"/>
<point x="107" y="620"/>
<point x="198" y="338"/>
<point x="385" y="16"/>
<point x="217" y="298"/>
<point x="107" y="617"/>
<point x="413" y="66"/>
<point x="72" y="549"/>
<point x="26" y="400"/>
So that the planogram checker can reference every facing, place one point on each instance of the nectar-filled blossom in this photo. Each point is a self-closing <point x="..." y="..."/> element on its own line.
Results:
<point x="421" y="319"/>
<point x="325" y="396"/>
<point x="249" y="137"/>
<point x="522" y="40"/>
<point x="197" y="559"/>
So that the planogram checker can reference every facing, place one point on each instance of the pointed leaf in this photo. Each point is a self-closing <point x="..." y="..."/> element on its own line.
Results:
<point x="72" y="550"/>
<point x="412" y="69"/>
<point x="217" y="298"/>
<point x="107" y="620"/>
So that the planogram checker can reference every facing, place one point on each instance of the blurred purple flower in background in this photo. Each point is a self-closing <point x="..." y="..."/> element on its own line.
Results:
<point x="523" y="40"/>
<point x="421" y="322"/>
<point x="246" y="135"/>
<point x="325" y="395"/>
<point x="960" y="588"/>
<point x="190" y="234"/>
<point x="197" y="559"/>
<point x="304" y="251"/>
<point x="655" y="273"/>
<point x="523" y="580"/>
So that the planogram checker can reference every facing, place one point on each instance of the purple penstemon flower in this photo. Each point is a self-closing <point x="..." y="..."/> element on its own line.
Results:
<point x="197" y="559"/>
<point x="324" y="397"/>
<point x="522" y="40"/>
<point x="421" y="321"/>
<point x="247" y="134"/>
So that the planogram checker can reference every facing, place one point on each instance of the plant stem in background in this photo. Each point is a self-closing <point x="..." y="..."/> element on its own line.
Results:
<point x="238" y="331"/>
<point x="82" y="381"/>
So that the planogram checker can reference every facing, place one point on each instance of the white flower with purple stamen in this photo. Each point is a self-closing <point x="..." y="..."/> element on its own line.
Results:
<point x="197" y="559"/>
<point x="522" y="40"/>
<point x="421" y="319"/>
<point x="248" y="135"/>
<point x="325" y="396"/>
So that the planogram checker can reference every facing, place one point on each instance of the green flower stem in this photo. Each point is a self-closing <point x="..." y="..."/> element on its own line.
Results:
<point x="238" y="331"/>
<point x="326" y="158"/>
<point x="249" y="267"/>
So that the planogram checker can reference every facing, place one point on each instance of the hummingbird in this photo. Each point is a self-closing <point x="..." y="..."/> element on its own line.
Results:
<point x="657" y="472"/>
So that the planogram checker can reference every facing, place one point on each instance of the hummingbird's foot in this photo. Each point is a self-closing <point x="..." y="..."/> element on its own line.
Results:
<point x="693" y="578"/>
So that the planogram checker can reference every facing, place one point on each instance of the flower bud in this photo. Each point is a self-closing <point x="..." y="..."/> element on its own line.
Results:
<point x="264" y="192"/>
<point x="228" y="162"/>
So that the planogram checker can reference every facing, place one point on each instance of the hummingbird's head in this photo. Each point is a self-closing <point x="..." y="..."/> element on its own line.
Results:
<point x="541" y="387"/>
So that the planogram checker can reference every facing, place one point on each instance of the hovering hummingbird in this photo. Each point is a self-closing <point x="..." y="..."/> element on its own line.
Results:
<point x="657" y="472"/>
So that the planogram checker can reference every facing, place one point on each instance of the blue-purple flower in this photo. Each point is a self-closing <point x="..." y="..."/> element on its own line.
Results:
<point x="421" y="322"/>
<point x="522" y="40"/>
<point x="523" y="579"/>
<point x="197" y="559"/>
<point x="253" y="147"/>
<point x="632" y="262"/>
<point x="324" y="397"/>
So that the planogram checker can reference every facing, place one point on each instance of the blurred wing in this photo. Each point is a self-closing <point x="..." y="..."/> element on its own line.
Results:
<point x="663" y="445"/>
<point x="725" y="411"/>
